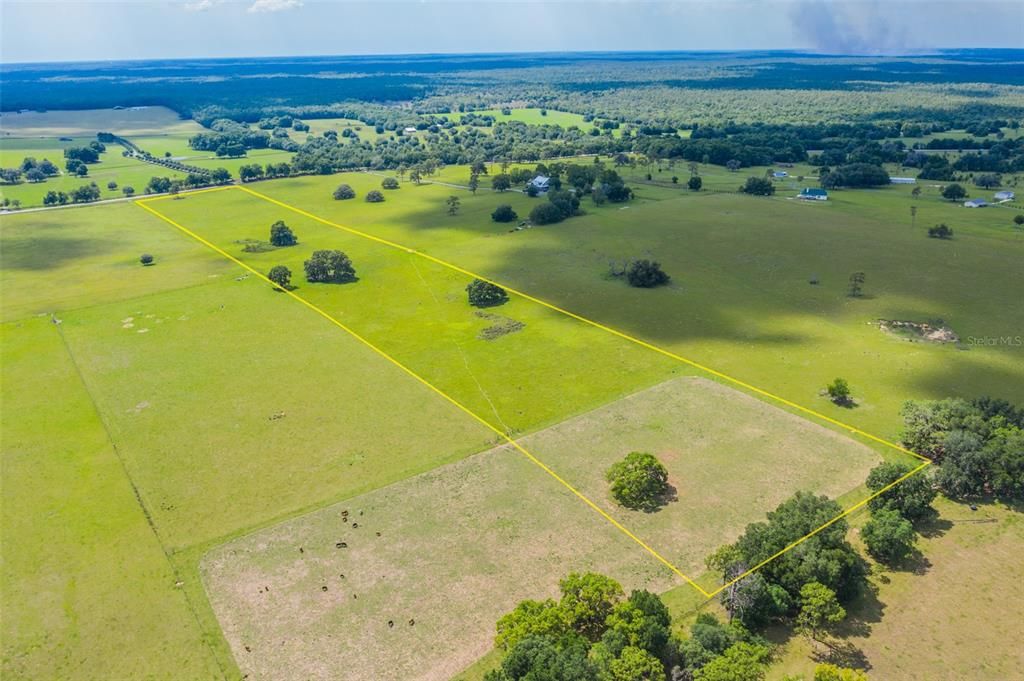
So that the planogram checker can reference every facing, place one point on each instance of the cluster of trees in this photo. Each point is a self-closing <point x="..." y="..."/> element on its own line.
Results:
<point x="254" y="171"/>
<point x="758" y="186"/>
<point x="594" y="631"/>
<point x="854" y="175"/>
<point x="84" y="194"/>
<point x="229" y="138"/>
<point x="87" y="154"/>
<point x="940" y="231"/>
<point x="33" y="170"/>
<point x="163" y="185"/>
<point x="977" y="444"/>
<point x="561" y="204"/>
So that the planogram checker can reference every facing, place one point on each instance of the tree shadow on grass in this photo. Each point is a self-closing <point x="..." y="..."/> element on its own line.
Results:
<point x="670" y="495"/>
<point x="842" y="654"/>
<point x="45" y="253"/>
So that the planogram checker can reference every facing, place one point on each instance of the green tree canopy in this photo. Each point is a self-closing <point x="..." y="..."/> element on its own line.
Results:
<point x="646" y="274"/>
<point x="639" y="481"/>
<point x="911" y="497"/>
<point x="281" y="235"/>
<point x="281" y="276"/>
<point x="329" y="267"/>
<point x="888" y="536"/>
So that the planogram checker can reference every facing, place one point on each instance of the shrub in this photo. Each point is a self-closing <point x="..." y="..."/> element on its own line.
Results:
<point x="504" y="213"/>
<point x="389" y="183"/>
<point x="645" y="274"/>
<point x="329" y="266"/>
<point x="344" y="192"/>
<point x="839" y="391"/>
<point x="374" y="196"/>
<point x="282" y="235"/>
<point x="758" y="186"/>
<point x="146" y="259"/>
<point x="940" y="231"/>
<point x="485" y="294"/>
<point x="695" y="183"/>
<point x="281" y="276"/>
<point x="639" y="481"/>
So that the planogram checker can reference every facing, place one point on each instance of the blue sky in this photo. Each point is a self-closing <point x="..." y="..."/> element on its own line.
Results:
<point x="40" y="30"/>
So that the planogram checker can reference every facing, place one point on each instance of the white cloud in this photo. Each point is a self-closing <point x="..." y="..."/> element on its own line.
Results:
<point x="200" y="5"/>
<point x="273" y="5"/>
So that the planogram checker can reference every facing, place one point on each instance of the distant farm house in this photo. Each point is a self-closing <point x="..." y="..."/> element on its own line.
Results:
<point x="813" y="194"/>
<point x="903" y="180"/>
<point x="410" y="129"/>
<point x="780" y="174"/>
<point x="1004" y="196"/>
<point x="976" y="203"/>
<point x="541" y="182"/>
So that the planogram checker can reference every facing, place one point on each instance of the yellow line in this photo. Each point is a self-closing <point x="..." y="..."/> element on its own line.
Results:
<point x="431" y="386"/>
<point x="620" y="334"/>
<point x="807" y="536"/>
<point x="613" y="331"/>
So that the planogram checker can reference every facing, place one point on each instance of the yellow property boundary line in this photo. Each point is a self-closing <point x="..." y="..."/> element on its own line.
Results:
<point x="724" y="377"/>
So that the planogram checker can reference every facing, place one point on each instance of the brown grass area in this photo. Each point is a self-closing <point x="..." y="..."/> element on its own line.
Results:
<point x="460" y="545"/>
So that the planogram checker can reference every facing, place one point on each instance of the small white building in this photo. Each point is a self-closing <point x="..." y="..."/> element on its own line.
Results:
<point x="780" y="174"/>
<point x="541" y="182"/>
<point x="410" y="129"/>
<point x="1004" y="196"/>
<point x="902" y="180"/>
<point x="975" y="203"/>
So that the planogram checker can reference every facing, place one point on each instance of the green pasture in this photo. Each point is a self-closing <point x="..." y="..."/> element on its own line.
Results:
<point x="417" y="312"/>
<point x="741" y="301"/>
<point x="59" y="260"/>
<point x="87" y="592"/>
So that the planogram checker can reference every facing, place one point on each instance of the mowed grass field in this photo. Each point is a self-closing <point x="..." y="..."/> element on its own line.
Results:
<point x="455" y="548"/>
<point x="87" y="591"/>
<point x="417" y="311"/>
<point x="222" y="414"/>
<point x="740" y="300"/>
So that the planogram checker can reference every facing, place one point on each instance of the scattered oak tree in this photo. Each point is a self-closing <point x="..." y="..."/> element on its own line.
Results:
<point x="758" y="186"/>
<point x="694" y="183"/>
<point x="940" y="231"/>
<point x="374" y="196"/>
<point x="504" y="213"/>
<point x="146" y="259"/>
<point x="639" y="481"/>
<point x="281" y="276"/>
<point x="281" y="235"/>
<point x="329" y="267"/>
<point x="953" y="192"/>
<point x="389" y="183"/>
<point x="645" y="274"/>
<point x="344" y="192"/>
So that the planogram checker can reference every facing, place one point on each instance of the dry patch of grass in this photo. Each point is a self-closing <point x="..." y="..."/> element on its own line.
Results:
<point x="332" y="594"/>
